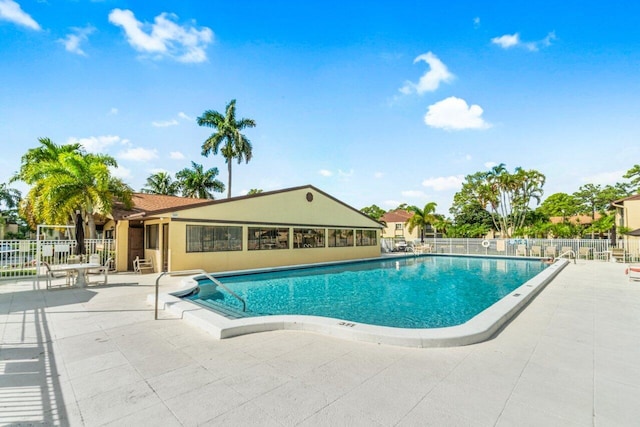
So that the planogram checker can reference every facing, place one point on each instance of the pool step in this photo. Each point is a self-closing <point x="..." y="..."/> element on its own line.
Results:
<point x="224" y="310"/>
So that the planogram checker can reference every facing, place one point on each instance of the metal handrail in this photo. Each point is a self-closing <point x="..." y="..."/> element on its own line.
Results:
<point x="197" y="271"/>
<point x="571" y="254"/>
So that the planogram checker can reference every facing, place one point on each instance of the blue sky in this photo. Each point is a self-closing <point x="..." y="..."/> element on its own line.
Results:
<point x="373" y="102"/>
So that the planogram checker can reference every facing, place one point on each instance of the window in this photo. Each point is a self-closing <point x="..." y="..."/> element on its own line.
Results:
<point x="207" y="238"/>
<point x="398" y="226"/>
<point x="308" y="238"/>
<point x="366" y="238"/>
<point x="152" y="236"/>
<point x="262" y="238"/>
<point x="340" y="237"/>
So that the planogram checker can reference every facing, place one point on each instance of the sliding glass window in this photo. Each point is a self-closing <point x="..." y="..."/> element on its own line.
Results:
<point x="208" y="238"/>
<point x="264" y="238"/>
<point x="308" y="237"/>
<point x="340" y="238"/>
<point x="366" y="238"/>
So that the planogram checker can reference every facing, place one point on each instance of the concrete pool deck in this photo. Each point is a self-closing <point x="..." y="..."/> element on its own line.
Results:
<point x="95" y="357"/>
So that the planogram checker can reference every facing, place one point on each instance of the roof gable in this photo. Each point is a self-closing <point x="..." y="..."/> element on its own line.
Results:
<point x="248" y="207"/>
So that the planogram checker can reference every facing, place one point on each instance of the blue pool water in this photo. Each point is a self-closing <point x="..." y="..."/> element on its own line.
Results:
<point x="415" y="292"/>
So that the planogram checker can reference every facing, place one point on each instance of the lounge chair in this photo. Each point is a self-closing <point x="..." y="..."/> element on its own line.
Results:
<point x="619" y="254"/>
<point x="584" y="252"/>
<point x="100" y="271"/>
<point x="141" y="265"/>
<point x="633" y="271"/>
<point x="536" y="251"/>
<point x="521" y="250"/>
<point x="550" y="252"/>
<point x="52" y="274"/>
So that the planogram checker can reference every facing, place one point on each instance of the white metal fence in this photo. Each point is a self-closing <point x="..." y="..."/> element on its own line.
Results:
<point x="591" y="248"/>
<point x="18" y="258"/>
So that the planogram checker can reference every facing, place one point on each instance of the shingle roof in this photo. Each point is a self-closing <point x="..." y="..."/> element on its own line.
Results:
<point x="398" y="215"/>
<point x="147" y="204"/>
<point x="626" y="199"/>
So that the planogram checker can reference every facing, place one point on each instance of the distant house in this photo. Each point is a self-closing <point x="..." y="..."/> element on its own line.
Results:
<point x="395" y="226"/>
<point x="628" y="216"/>
<point x="293" y="226"/>
<point x="582" y="220"/>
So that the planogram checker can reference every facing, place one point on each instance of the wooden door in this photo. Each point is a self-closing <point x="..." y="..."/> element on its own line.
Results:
<point x="165" y="247"/>
<point x="136" y="246"/>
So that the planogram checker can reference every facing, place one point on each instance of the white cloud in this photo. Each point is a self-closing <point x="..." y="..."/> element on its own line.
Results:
<point x="176" y="155"/>
<point x="415" y="194"/>
<point x="454" y="114"/>
<point x="444" y="183"/>
<point x="165" y="123"/>
<point x="378" y="175"/>
<point x="184" y="116"/>
<point x="476" y="22"/>
<point x="430" y="81"/>
<point x="513" y="40"/>
<point x="547" y="40"/>
<point x="345" y="174"/>
<point x="113" y="111"/>
<point x="507" y="41"/>
<point x="325" y="172"/>
<point x="12" y="12"/>
<point x="164" y="38"/>
<point x="490" y="165"/>
<point x="97" y="144"/>
<point x="138" y="154"/>
<point x="72" y="41"/>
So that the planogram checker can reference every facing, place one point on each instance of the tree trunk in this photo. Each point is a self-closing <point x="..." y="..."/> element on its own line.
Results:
<point x="229" y="169"/>
<point x="92" y="226"/>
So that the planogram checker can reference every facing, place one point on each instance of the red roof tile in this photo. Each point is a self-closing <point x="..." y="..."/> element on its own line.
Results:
<point x="398" y="215"/>
<point x="147" y="204"/>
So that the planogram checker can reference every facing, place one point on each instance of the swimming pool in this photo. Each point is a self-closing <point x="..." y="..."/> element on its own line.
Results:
<point x="412" y="292"/>
<point x="478" y="328"/>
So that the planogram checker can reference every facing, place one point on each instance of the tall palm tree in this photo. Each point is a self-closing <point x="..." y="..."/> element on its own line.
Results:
<point x="161" y="183"/>
<point x="228" y="139"/>
<point x="421" y="218"/>
<point x="195" y="182"/>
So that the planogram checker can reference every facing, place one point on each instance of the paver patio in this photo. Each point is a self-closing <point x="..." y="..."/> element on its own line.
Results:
<point x="96" y="357"/>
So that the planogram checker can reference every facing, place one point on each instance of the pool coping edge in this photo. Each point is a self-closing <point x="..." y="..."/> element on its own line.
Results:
<point x="479" y="328"/>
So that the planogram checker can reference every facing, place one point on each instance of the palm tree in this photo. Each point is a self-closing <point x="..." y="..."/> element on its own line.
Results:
<point x="421" y="218"/>
<point x="161" y="183"/>
<point x="65" y="179"/>
<point x="197" y="183"/>
<point x="30" y="168"/>
<point x="228" y="140"/>
<point x="9" y="196"/>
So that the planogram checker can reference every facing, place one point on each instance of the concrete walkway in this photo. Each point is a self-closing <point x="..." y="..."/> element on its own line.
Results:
<point x="96" y="357"/>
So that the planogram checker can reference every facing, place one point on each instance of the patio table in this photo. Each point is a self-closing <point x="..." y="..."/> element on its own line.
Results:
<point x="81" y="269"/>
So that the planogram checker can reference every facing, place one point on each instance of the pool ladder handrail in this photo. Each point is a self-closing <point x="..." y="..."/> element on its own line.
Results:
<point x="196" y="271"/>
<point x="571" y="254"/>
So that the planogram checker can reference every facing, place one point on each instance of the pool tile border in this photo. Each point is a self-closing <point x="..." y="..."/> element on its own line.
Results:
<point x="480" y="328"/>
